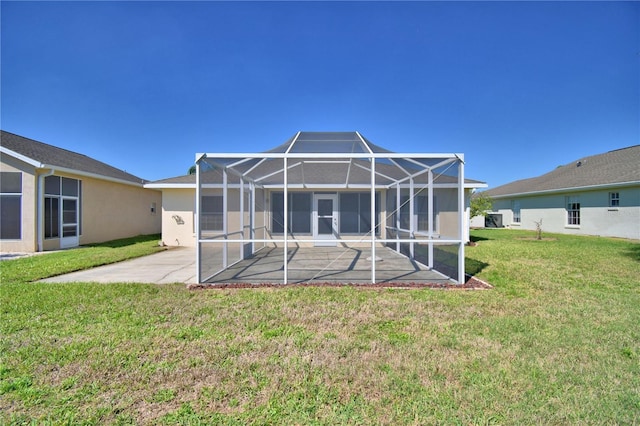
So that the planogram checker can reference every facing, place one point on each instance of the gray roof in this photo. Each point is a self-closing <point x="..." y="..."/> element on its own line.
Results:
<point x="327" y="178"/>
<point x="316" y="170"/>
<point x="614" y="167"/>
<point x="50" y="156"/>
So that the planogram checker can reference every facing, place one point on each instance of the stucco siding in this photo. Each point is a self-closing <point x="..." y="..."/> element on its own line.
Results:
<point x="177" y="217"/>
<point x="596" y="216"/>
<point x="113" y="210"/>
<point x="28" y="237"/>
<point x="178" y="204"/>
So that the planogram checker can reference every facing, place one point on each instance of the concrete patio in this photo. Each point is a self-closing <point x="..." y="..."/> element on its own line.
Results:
<point x="327" y="264"/>
<point x="306" y="265"/>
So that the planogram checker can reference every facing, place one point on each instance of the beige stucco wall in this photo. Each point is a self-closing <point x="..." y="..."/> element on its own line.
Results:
<point x="108" y="210"/>
<point x="28" y="241"/>
<point x="113" y="210"/>
<point x="177" y="217"/>
<point x="178" y="206"/>
<point x="178" y="228"/>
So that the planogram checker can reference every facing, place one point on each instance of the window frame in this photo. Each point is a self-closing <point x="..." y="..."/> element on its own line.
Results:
<point x="362" y="213"/>
<point x="218" y="202"/>
<point x="11" y="194"/>
<point x="516" y="212"/>
<point x="572" y="206"/>
<point x="58" y="187"/>
<point x="295" y="212"/>
<point x="614" y="199"/>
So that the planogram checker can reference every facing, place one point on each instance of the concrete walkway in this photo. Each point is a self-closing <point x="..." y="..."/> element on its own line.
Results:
<point x="176" y="265"/>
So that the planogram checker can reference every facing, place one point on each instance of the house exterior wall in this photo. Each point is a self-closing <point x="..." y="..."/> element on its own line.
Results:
<point x="178" y="228"/>
<point x="596" y="217"/>
<point x="108" y="210"/>
<point x="114" y="210"/>
<point x="178" y="205"/>
<point x="28" y="240"/>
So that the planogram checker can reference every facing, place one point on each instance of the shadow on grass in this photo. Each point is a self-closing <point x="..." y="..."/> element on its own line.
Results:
<point x="633" y="252"/>
<point x="127" y="241"/>
<point x="475" y="238"/>
<point x="473" y="266"/>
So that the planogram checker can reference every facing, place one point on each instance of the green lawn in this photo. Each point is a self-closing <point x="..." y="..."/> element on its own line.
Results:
<point x="557" y="341"/>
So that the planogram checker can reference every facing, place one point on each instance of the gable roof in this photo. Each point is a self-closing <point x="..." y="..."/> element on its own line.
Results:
<point x="617" y="167"/>
<point x="45" y="156"/>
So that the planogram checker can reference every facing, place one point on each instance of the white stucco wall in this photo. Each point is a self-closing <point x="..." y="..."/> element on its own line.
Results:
<point x="596" y="217"/>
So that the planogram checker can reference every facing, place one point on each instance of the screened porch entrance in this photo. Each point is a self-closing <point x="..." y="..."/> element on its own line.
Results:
<point x="338" y="264"/>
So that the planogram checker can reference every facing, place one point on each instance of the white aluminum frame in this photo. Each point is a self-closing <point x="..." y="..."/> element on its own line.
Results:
<point x="405" y="182"/>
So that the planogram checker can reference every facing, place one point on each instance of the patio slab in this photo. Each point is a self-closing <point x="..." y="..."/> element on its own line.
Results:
<point x="176" y="265"/>
<point x="306" y="265"/>
<point x="327" y="264"/>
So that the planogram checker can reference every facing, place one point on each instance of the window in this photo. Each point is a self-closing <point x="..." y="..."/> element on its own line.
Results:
<point x="62" y="197"/>
<point x="212" y="214"/>
<point x="515" y="208"/>
<point x="299" y="212"/>
<point x="614" y="199"/>
<point x="573" y="210"/>
<point x="421" y="208"/>
<point x="355" y="212"/>
<point x="10" y="205"/>
<point x="51" y="217"/>
<point x="421" y="212"/>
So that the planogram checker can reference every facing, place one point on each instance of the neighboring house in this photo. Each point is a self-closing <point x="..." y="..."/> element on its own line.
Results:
<point x="52" y="198"/>
<point x="597" y="195"/>
<point x="351" y="202"/>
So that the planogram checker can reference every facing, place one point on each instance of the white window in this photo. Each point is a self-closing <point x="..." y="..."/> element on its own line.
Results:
<point x="420" y="212"/>
<point x="614" y="199"/>
<point x="573" y="210"/>
<point x="299" y="212"/>
<point x="62" y="200"/>
<point x="10" y="205"/>
<point x="515" y="209"/>
<point x="355" y="212"/>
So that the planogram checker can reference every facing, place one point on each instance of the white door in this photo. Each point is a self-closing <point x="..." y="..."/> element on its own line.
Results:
<point x="69" y="223"/>
<point x="325" y="219"/>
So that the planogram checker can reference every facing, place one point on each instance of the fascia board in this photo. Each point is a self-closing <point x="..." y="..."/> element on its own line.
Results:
<point x="39" y="165"/>
<point x="21" y="157"/>
<point x="566" y="190"/>
<point x="190" y="185"/>
<point x="92" y="175"/>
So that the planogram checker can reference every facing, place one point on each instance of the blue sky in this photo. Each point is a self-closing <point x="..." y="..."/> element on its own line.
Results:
<point x="518" y="87"/>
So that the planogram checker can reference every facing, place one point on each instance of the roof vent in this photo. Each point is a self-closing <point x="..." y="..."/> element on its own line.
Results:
<point x="579" y="163"/>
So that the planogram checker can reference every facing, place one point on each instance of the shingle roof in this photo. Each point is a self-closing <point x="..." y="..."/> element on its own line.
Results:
<point x="316" y="170"/>
<point x="613" y="167"/>
<point x="51" y="156"/>
<point x="216" y="178"/>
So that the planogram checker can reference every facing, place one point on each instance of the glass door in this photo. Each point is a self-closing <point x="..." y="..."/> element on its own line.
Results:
<point x="325" y="219"/>
<point x="69" y="223"/>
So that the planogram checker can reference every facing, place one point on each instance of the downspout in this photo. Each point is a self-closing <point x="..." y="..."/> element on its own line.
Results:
<point x="40" y="209"/>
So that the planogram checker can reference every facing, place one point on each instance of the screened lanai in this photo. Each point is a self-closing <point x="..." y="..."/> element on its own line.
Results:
<point x="329" y="206"/>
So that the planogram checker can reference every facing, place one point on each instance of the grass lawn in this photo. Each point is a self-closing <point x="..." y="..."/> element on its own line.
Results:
<point x="557" y="341"/>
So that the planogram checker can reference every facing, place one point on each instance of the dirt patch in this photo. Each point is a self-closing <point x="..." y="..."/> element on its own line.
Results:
<point x="536" y="239"/>
<point x="472" y="283"/>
